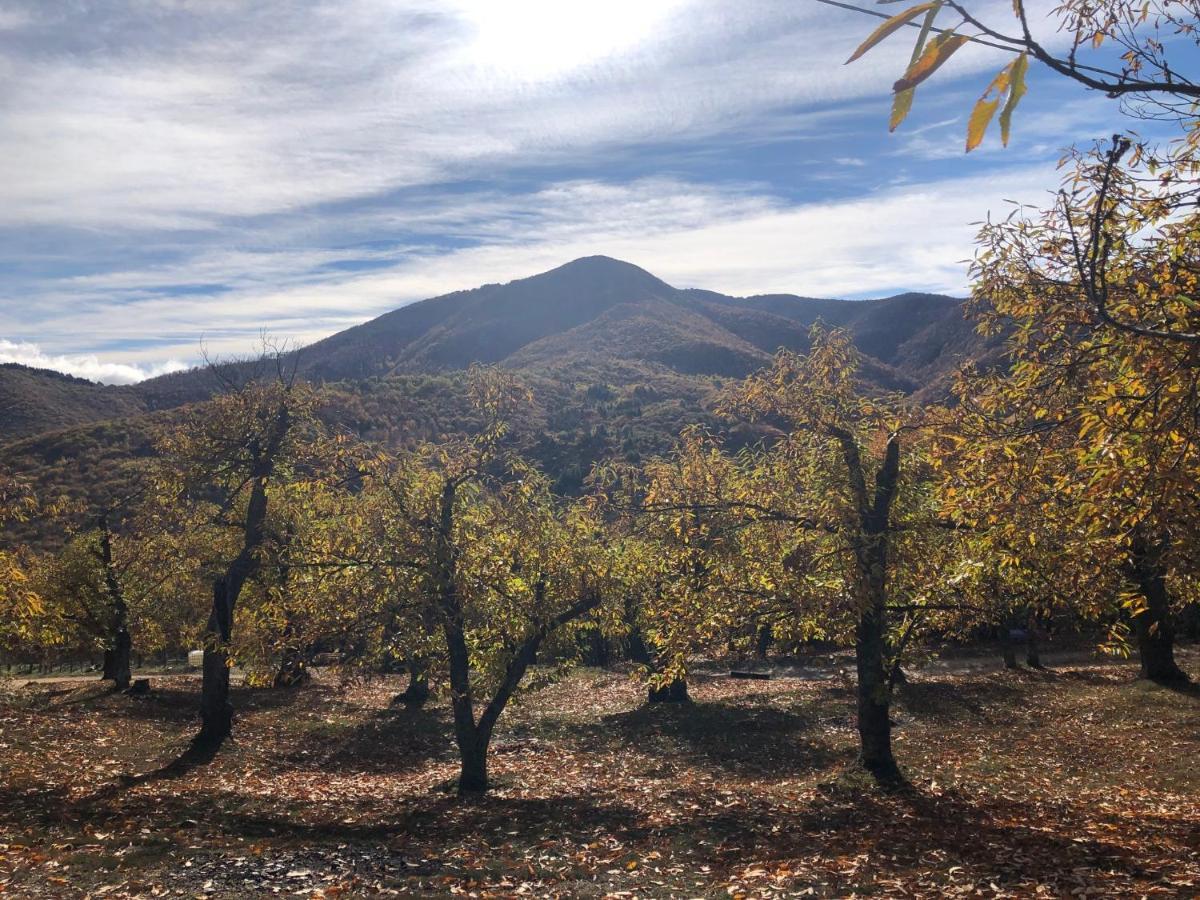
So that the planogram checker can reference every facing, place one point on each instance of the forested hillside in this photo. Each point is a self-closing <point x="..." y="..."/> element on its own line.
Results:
<point x="619" y="362"/>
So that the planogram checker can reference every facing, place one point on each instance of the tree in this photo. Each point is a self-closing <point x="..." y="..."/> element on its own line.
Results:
<point x="836" y="478"/>
<point x="1095" y="419"/>
<point x="219" y="468"/>
<point x="1147" y="41"/>
<point x="108" y="589"/>
<point x="19" y="604"/>
<point x="464" y="541"/>
<point x="698" y="584"/>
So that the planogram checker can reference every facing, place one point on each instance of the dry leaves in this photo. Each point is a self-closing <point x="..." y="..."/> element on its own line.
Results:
<point x="1075" y="783"/>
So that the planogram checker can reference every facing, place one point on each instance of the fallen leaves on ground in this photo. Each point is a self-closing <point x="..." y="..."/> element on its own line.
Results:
<point x="1079" y="782"/>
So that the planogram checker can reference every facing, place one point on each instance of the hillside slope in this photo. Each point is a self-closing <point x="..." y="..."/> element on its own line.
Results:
<point x="596" y="314"/>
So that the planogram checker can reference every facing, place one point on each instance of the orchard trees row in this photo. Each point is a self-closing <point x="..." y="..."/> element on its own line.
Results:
<point x="862" y="521"/>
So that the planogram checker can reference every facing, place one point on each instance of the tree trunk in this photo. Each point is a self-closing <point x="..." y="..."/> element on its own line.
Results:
<point x="417" y="693"/>
<point x="763" y="642"/>
<point x="1033" y="656"/>
<point x="1152" y="626"/>
<point x="673" y="692"/>
<point x="473" y="774"/>
<point x="871" y="568"/>
<point x="874" y="713"/>
<point x="216" y="710"/>
<point x="118" y="655"/>
<point x="292" y="670"/>
<point x="1007" y="648"/>
<point x="122" y="651"/>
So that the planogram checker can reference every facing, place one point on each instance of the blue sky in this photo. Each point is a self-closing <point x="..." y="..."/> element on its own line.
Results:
<point x="183" y="172"/>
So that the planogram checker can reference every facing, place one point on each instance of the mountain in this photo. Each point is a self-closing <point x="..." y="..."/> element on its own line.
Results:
<point x="37" y="400"/>
<point x="598" y="310"/>
<point x="590" y="314"/>
<point x="618" y="359"/>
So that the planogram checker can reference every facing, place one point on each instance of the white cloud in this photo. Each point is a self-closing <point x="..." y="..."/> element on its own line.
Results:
<point x="83" y="366"/>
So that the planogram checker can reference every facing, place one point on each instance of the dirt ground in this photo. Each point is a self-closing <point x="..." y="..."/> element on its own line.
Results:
<point x="1079" y="781"/>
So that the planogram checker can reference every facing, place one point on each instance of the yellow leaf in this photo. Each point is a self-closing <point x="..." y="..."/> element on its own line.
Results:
<point x="981" y="115"/>
<point x="890" y="27"/>
<point x="940" y="50"/>
<point x="901" y="104"/>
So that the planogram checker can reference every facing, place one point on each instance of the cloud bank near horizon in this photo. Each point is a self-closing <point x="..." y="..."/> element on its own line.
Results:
<point x="86" y="366"/>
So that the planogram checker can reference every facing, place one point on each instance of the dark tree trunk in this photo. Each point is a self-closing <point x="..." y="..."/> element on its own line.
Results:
<point x="473" y="773"/>
<point x="1153" y="626"/>
<point x="596" y="651"/>
<point x="118" y="655"/>
<point x="763" y="643"/>
<point x="122" y="668"/>
<point x="416" y="694"/>
<point x="874" y="713"/>
<point x="293" y="671"/>
<point x="1007" y="648"/>
<point x="1033" y="656"/>
<point x="639" y="651"/>
<point x="870" y="646"/>
<point x="672" y="692"/>
<point x="216" y="710"/>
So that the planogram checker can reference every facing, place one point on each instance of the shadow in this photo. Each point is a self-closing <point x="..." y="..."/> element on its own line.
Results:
<point x="1183" y="686"/>
<point x="750" y="740"/>
<point x="393" y="739"/>
<point x="981" y="700"/>
<point x="197" y="754"/>
<point x="445" y="819"/>
<point x="1091" y="676"/>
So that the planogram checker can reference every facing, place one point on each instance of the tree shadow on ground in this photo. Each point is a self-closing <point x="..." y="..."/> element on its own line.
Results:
<point x="442" y="819"/>
<point x="391" y="740"/>
<point x="979" y="700"/>
<point x="752" y="740"/>
<point x="1182" y="687"/>
<point x="180" y="706"/>
<point x="911" y="827"/>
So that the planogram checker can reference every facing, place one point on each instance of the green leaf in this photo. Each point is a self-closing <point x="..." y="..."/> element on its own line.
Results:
<point x="940" y="50"/>
<point x="1016" y="91"/>
<point x="891" y="26"/>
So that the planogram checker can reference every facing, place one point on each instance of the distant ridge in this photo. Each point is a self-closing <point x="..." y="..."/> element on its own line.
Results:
<point x="592" y="313"/>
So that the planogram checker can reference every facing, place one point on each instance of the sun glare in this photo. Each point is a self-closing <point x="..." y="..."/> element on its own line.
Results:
<point x="537" y="39"/>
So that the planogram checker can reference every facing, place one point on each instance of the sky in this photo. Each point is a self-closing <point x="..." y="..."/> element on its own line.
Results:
<point x="183" y="176"/>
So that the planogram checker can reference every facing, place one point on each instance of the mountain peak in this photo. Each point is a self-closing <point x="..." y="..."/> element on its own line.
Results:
<point x="603" y="271"/>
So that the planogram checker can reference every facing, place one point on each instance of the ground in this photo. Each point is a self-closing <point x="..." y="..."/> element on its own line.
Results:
<point x="1079" y="781"/>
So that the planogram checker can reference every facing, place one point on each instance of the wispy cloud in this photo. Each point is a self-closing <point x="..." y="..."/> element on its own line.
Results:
<point x="175" y="115"/>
